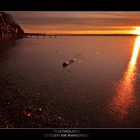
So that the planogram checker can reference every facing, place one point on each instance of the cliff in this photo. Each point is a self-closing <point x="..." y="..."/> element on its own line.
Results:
<point x="9" y="29"/>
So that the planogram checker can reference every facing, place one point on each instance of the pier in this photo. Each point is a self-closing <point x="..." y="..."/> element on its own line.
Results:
<point x="43" y="35"/>
<point x="38" y="35"/>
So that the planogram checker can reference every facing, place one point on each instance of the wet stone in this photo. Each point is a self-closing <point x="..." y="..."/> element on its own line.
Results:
<point x="37" y="94"/>
<point x="27" y="113"/>
<point x="39" y="109"/>
<point x="59" y="117"/>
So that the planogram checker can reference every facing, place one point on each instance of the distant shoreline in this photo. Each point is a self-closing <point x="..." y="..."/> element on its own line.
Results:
<point x="40" y="34"/>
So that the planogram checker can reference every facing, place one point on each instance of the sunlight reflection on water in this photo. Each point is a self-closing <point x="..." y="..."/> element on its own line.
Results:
<point x="125" y="89"/>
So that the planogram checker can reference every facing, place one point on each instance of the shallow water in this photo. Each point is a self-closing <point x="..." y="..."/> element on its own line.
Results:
<point x="98" y="90"/>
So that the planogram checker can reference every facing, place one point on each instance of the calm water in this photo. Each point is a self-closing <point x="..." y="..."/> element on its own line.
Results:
<point x="100" y="89"/>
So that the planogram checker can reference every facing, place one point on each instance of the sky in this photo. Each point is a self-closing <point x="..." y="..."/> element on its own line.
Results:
<point x="78" y="22"/>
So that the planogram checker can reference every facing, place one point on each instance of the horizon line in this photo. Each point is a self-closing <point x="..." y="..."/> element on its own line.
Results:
<point x="75" y="34"/>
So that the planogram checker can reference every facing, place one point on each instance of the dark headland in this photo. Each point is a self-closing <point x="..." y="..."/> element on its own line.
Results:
<point x="9" y="28"/>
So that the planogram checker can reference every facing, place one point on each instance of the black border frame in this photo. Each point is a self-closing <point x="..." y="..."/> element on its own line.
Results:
<point x="71" y="5"/>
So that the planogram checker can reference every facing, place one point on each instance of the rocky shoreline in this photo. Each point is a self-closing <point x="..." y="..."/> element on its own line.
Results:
<point x="20" y="108"/>
<point x="9" y="28"/>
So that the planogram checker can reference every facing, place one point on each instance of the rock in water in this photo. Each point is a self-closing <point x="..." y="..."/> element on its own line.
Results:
<point x="71" y="60"/>
<point x="65" y="64"/>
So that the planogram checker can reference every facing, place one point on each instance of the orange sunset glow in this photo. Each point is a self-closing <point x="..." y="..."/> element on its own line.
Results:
<point x="136" y="31"/>
<point x="78" y="22"/>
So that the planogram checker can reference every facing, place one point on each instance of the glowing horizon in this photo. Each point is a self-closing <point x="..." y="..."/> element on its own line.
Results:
<point x="118" y="30"/>
<point x="65" y="22"/>
<point x="127" y="32"/>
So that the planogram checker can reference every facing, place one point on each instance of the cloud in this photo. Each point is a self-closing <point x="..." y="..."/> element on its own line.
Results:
<point x="76" y="20"/>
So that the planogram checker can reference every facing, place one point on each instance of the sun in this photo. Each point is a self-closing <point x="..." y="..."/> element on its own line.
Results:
<point x="136" y="31"/>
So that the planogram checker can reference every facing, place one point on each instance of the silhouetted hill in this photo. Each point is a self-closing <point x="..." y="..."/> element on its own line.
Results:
<point x="9" y="29"/>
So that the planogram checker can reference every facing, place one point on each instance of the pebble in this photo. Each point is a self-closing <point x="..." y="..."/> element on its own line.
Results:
<point x="37" y="94"/>
<point x="59" y="117"/>
<point x="39" y="109"/>
<point x="29" y="114"/>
